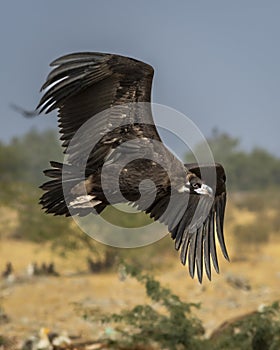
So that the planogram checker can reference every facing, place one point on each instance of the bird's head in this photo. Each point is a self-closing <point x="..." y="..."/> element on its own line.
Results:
<point x="196" y="186"/>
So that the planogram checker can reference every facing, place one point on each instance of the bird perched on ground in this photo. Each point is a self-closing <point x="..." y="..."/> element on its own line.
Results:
<point x="8" y="273"/>
<point x="105" y="100"/>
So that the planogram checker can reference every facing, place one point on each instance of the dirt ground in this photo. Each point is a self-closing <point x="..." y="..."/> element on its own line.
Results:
<point x="35" y="302"/>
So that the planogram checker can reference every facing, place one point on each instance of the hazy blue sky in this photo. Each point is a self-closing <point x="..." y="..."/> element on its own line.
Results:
<point x="215" y="61"/>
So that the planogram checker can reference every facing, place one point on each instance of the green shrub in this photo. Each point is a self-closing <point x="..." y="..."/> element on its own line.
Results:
<point x="166" y="323"/>
<point x="256" y="331"/>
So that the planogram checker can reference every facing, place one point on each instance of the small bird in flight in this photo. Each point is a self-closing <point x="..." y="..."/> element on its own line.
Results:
<point x="114" y="92"/>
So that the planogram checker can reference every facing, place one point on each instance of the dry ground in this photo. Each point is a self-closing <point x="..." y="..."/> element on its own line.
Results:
<point x="32" y="303"/>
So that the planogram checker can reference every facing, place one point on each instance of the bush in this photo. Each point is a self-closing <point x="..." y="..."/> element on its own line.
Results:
<point x="168" y="323"/>
<point x="174" y="327"/>
<point x="259" y="330"/>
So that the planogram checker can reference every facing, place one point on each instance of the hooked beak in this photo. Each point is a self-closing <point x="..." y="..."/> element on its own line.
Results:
<point x="205" y="190"/>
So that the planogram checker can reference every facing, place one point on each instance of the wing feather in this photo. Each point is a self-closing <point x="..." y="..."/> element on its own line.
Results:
<point x="213" y="251"/>
<point x="192" y="253"/>
<point x="199" y="252"/>
<point x="206" y="249"/>
<point x="82" y="85"/>
<point x="184" y="249"/>
<point x="193" y="221"/>
<point x="220" y="210"/>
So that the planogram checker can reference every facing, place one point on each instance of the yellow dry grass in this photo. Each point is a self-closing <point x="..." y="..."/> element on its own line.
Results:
<point x="50" y="301"/>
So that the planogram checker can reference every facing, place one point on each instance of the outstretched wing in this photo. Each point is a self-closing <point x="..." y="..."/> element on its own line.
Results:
<point x="193" y="219"/>
<point x="86" y="85"/>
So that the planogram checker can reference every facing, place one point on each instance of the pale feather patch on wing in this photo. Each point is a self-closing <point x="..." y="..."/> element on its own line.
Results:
<point x="184" y="189"/>
<point x="85" y="201"/>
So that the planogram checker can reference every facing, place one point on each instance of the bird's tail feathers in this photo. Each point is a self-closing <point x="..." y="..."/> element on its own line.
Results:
<point x="66" y="192"/>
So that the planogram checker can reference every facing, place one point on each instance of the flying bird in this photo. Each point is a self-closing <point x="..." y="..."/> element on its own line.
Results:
<point x="105" y="100"/>
<point x="25" y="112"/>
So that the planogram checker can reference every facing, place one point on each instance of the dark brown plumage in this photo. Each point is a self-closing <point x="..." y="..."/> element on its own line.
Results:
<point x="111" y="94"/>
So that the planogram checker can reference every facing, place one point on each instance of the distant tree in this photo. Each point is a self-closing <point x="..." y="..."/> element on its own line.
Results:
<point x="253" y="170"/>
<point x="25" y="157"/>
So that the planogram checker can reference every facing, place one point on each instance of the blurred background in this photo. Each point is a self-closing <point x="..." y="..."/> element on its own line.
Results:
<point x="216" y="62"/>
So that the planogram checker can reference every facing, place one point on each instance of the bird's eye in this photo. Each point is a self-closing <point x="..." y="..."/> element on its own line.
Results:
<point x="196" y="185"/>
